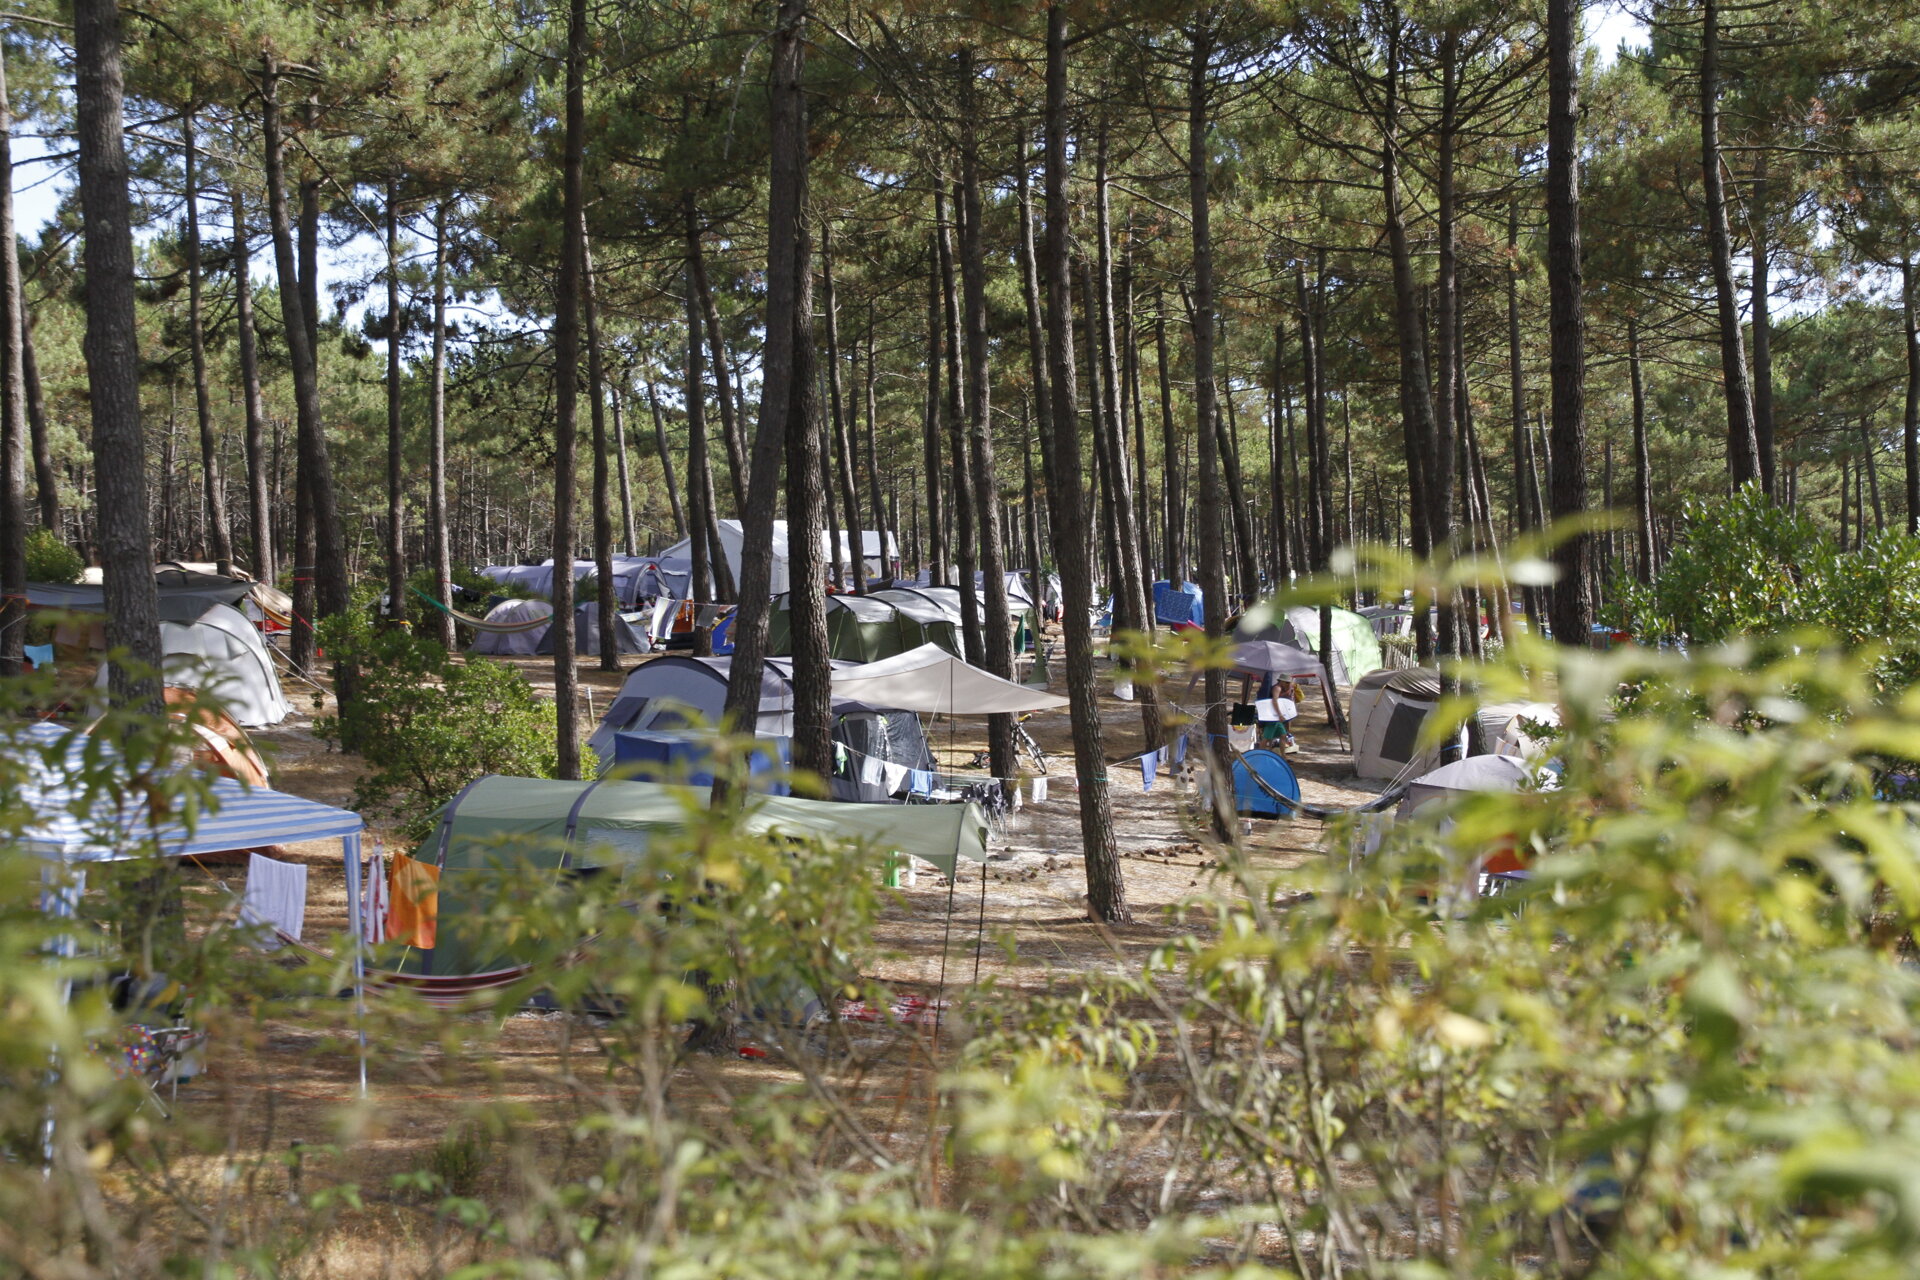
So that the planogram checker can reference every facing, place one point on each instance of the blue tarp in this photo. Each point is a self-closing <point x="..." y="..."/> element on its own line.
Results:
<point x="1248" y="797"/>
<point x="1173" y="606"/>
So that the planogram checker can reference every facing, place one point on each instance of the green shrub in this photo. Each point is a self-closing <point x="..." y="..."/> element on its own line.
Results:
<point x="427" y="725"/>
<point x="1744" y="568"/>
<point x="51" y="560"/>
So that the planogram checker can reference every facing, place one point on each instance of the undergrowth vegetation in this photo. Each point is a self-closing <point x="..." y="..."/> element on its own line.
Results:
<point x="1684" y="1047"/>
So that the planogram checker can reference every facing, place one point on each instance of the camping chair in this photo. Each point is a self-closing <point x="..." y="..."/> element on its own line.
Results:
<point x="155" y="1045"/>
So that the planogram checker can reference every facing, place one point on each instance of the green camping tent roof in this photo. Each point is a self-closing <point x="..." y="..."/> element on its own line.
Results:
<point x="537" y="808"/>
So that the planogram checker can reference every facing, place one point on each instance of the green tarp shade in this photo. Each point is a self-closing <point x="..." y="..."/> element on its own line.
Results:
<point x="524" y="822"/>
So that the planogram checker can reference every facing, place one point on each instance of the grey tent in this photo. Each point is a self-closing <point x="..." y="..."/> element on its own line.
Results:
<point x="521" y="629"/>
<point x="586" y="633"/>
<point x="674" y="691"/>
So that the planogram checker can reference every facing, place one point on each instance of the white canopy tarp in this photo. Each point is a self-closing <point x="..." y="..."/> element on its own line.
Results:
<point x="932" y="681"/>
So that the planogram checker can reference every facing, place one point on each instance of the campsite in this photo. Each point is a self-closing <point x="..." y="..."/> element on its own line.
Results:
<point x="797" y="640"/>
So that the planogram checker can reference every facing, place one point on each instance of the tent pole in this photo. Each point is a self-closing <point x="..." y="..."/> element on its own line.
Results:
<point x="350" y="851"/>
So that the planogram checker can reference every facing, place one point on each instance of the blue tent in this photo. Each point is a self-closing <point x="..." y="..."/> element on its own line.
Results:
<point x="1178" y="606"/>
<point x="1249" y="798"/>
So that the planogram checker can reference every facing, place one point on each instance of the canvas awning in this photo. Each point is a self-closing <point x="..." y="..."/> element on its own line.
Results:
<point x="934" y="682"/>
<point x="237" y="817"/>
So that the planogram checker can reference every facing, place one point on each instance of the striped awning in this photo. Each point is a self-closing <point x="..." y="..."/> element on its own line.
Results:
<point x="60" y="816"/>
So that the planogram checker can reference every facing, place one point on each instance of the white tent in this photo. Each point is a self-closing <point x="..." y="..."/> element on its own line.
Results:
<point x="221" y="654"/>
<point x="521" y="642"/>
<point x="732" y="539"/>
<point x="934" y="682"/>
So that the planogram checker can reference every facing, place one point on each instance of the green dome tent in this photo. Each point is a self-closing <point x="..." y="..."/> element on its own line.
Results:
<point x="500" y="825"/>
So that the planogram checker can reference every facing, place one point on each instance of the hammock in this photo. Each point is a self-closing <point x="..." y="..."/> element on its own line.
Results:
<point x="481" y="624"/>
<point x="1322" y="813"/>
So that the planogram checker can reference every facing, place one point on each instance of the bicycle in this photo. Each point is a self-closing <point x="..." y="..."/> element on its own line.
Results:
<point x="1023" y="745"/>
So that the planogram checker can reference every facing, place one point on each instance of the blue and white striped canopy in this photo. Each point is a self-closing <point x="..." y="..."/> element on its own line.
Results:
<point x="112" y="824"/>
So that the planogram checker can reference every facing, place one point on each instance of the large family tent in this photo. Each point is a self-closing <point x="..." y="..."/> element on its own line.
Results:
<point x="523" y="580"/>
<point x="879" y="547"/>
<point x="586" y="633"/>
<point x="634" y="578"/>
<point x="515" y="629"/>
<point x="1356" y="649"/>
<point x="859" y="628"/>
<point x="500" y="826"/>
<point x="675" y="691"/>
<point x="924" y="617"/>
<point x="879" y="552"/>
<point x="1178" y="606"/>
<point x="221" y="654"/>
<point x="732" y="539"/>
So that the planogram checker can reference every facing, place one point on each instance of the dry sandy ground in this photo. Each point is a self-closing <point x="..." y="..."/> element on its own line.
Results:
<point x="1019" y="921"/>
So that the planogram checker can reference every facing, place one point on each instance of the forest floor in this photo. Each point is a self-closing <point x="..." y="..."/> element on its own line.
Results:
<point x="1017" y="921"/>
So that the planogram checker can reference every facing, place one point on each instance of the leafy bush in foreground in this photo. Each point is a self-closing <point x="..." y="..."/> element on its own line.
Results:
<point x="1684" y="1047"/>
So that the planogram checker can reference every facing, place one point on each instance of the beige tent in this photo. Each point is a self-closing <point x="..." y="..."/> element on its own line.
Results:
<point x="1388" y="711"/>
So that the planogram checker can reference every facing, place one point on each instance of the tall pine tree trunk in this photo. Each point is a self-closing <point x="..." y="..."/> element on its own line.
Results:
<point x="326" y="566"/>
<point x="259" y="460"/>
<point x="973" y="284"/>
<point x="785" y="372"/>
<point x="1106" y="886"/>
<point x="1416" y="391"/>
<point x="218" y="531"/>
<point x="717" y="350"/>
<point x="966" y="539"/>
<point x="696" y="401"/>
<point x="1910" y="417"/>
<point x="13" y="412"/>
<point x="113" y="356"/>
<point x="1643" y="566"/>
<point x="631" y="543"/>
<point x="396" y="438"/>
<point x="1175" y="530"/>
<point x="1743" y="449"/>
<point x="438" y="538"/>
<point x="842" y="409"/>
<point x="608" y="607"/>
<point x="1573" y="607"/>
<point x="1210" y="499"/>
<point x="46" y="481"/>
<point x="936" y="563"/>
<point x="1762" y="289"/>
<point x="566" y="398"/>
